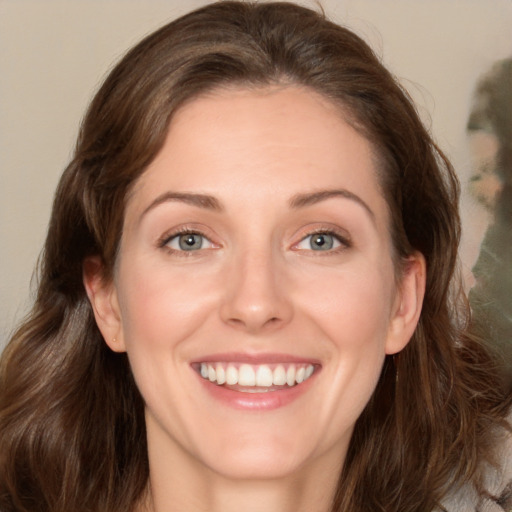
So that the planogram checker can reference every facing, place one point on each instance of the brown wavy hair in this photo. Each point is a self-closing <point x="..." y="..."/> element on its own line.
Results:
<point x="72" y="433"/>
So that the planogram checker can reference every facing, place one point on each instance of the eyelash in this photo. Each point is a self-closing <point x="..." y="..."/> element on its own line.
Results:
<point x="168" y="237"/>
<point x="342" y="239"/>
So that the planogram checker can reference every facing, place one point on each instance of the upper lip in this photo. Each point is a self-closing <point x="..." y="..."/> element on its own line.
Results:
<point x="255" y="359"/>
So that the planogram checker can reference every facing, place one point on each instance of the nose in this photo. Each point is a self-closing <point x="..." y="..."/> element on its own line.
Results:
<point x="255" y="298"/>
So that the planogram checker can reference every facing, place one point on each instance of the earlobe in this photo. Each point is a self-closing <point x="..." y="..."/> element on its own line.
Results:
<point x="407" y="308"/>
<point x="103" y="298"/>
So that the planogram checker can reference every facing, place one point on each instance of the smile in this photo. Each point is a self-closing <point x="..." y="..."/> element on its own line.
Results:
<point x="256" y="378"/>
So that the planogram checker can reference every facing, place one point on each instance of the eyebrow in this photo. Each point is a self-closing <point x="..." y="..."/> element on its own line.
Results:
<point x="200" y="200"/>
<point x="208" y="202"/>
<point x="308" y="199"/>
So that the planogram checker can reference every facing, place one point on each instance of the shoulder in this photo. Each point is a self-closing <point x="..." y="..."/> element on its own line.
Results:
<point x="497" y="484"/>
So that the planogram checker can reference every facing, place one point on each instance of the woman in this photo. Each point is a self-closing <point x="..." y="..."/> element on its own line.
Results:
<point x="244" y="298"/>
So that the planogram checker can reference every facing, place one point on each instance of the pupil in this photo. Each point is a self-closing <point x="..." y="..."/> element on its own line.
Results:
<point x="322" y="242"/>
<point x="190" y="241"/>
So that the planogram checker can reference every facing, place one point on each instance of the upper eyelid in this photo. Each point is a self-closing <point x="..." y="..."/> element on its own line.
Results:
<point x="165" y="239"/>
<point x="343" y="243"/>
<point x="342" y="235"/>
<point x="183" y="230"/>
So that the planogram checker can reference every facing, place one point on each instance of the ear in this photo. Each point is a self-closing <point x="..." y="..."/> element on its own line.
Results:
<point x="103" y="298"/>
<point x="408" y="303"/>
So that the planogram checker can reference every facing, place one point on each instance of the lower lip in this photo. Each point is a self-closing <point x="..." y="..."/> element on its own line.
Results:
<point x="256" y="401"/>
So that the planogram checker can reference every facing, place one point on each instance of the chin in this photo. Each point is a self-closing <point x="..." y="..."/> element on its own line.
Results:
<point x="258" y="463"/>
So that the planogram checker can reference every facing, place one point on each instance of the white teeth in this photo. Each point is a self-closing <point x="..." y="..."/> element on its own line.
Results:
<point x="231" y="375"/>
<point x="264" y="376"/>
<point x="279" y="376"/>
<point x="246" y="376"/>
<point x="290" y="375"/>
<point x="252" y="376"/>
<point x="221" y="374"/>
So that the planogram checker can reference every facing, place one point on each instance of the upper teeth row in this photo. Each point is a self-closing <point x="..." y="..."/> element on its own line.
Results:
<point x="256" y="375"/>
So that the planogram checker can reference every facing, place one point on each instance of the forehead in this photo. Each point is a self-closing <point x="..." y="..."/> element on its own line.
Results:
<point x="266" y="143"/>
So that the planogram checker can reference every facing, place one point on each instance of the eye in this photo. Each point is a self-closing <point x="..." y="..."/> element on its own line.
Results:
<point x="321" y="241"/>
<point x="188" y="241"/>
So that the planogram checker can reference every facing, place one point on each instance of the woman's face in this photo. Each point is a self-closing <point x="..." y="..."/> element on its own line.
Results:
<point x="254" y="291"/>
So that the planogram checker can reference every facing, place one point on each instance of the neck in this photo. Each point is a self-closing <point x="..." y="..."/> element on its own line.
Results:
<point x="180" y="482"/>
<point x="220" y="494"/>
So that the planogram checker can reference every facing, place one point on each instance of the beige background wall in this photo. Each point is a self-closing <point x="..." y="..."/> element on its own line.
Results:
<point x="53" y="54"/>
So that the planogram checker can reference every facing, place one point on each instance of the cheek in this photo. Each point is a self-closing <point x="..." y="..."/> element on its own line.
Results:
<point x="353" y="311"/>
<point x="162" y="305"/>
<point x="353" y="306"/>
